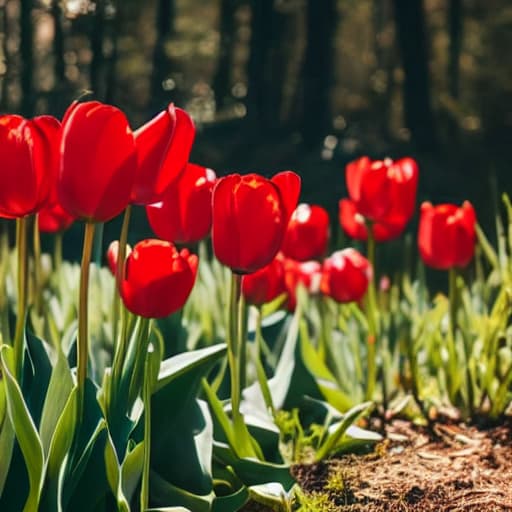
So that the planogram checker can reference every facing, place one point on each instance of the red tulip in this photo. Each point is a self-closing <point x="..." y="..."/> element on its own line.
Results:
<point x="354" y="225"/>
<point x="163" y="147"/>
<point x="383" y="191"/>
<point x="184" y="215"/>
<point x="113" y="253"/>
<point x="158" y="279"/>
<point x="346" y="275"/>
<point x="53" y="218"/>
<point x="306" y="273"/>
<point x="446" y="235"/>
<point x="250" y="215"/>
<point x="98" y="162"/>
<point x="265" y="284"/>
<point x="307" y="234"/>
<point x="29" y="152"/>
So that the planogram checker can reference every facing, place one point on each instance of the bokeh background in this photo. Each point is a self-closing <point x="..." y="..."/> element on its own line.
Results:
<point x="306" y="85"/>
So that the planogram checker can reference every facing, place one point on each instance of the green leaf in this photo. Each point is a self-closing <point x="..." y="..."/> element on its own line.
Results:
<point x="58" y="451"/>
<point x="330" y="444"/>
<point x="59" y="389"/>
<point x="182" y="425"/>
<point x="25" y="431"/>
<point x="131" y="470"/>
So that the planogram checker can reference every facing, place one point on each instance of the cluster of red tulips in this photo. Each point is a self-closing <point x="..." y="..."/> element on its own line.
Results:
<point x="92" y="167"/>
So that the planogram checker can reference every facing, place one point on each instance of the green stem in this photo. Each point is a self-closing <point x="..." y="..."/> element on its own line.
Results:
<point x="119" y="337"/>
<point x="97" y="250"/>
<point x="371" y="313"/>
<point x="57" y="251"/>
<point x="146" y="395"/>
<point x="120" y="345"/>
<point x="38" y="287"/>
<point x="233" y="344"/>
<point x="83" y="334"/>
<point x="452" y="355"/>
<point x="19" y="333"/>
<point x="242" y="339"/>
<point x="262" y="377"/>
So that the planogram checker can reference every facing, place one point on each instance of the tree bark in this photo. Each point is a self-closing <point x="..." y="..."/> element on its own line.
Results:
<point x="412" y="41"/>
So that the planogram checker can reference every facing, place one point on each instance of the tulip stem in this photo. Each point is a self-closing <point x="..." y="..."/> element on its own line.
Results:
<point x="83" y="335"/>
<point x="57" y="252"/>
<point x="233" y="343"/>
<point x="371" y="314"/>
<point x="120" y="341"/>
<point x="19" y="333"/>
<point x="260" y="370"/>
<point x="38" y="288"/>
<point x="146" y="396"/>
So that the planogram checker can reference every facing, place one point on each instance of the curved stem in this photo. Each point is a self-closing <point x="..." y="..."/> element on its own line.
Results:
<point x="19" y="333"/>
<point x="83" y="334"/>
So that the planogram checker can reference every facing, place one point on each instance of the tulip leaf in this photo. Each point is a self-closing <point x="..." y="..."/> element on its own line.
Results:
<point x="131" y="470"/>
<point x="24" y="429"/>
<point x="58" y="451"/>
<point x="59" y="389"/>
<point x="6" y="439"/>
<point x="182" y="425"/>
<point x="231" y="502"/>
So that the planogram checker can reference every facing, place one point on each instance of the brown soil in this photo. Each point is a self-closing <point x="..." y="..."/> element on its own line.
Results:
<point x="455" y="468"/>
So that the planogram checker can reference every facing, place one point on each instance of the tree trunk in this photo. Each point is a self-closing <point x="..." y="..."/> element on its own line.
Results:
<point x="27" y="58"/>
<point x="412" y="41"/>
<point x="97" y="63"/>
<point x="317" y="72"/>
<point x="455" y="30"/>
<point x="222" y="79"/>
<point x="165" y="16"/>
<point x="257" y="71"/>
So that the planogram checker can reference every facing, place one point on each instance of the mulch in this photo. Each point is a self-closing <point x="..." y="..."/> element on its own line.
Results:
<point x="453" y="467"/>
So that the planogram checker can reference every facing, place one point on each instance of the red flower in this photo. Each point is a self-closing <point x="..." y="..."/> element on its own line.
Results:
<point x="250" y="215"/>
<point x="307" y="273"/>
<point x="383" y="191"/>
<point x="112" y="255"/>
<point x="346" y="275"/>
<point x="98" y="163"/>
<point x="265" y="284"/>
<point x="184" y="215"/>
<point x="353" y="224"/>
<point x="446" y="235"/>
<point x="29" y="152"/>
<point x="158" y="279"/>
<point x="307" y="233"/>
<point x="163" y="147"/>
<point x="53" y="218"/>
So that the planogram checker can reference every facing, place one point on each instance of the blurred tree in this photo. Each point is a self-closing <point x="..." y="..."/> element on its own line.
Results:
<point x="222" y="79"/>
<point x="455" y="19"/>
<point x="98" y="57"/>
<point x="259" y="93"/>
<point x="165" y="16"/>
<point x="412" y="41"/>
<point x="321" y="23"/>
<point x="4" y="101"/>
<point x="58" y="42"/>
<point x="27" y="58"/>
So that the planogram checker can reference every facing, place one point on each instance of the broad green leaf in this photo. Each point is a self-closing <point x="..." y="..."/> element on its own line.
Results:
<point x="59" y="389"/>
<point x="25" y="431"/>
<point x="131" y="470"/>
